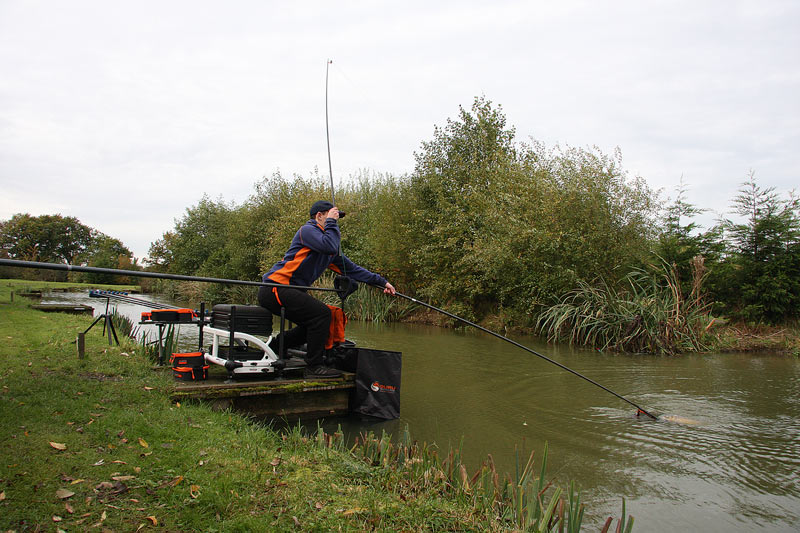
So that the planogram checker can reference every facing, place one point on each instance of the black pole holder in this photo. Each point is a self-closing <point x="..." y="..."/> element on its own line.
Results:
<point x="108" y="325"/>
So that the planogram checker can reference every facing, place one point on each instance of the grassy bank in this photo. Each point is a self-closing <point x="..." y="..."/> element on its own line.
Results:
<point x="97" y="443"/>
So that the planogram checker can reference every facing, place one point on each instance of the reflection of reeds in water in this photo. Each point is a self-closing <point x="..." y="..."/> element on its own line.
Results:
<point x="651" y="314"/>
<point x="525" y="502"/>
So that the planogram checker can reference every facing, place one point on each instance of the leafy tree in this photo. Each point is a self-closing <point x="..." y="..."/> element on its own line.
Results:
<point x="160" y="254"/>
<point x="197" y="244"/>
<point x="107" y="252"/>
<point x="497" y="224"/>
<point x="45" y="238"/>
<point x="59" y="239"/>
<point x="452" y="185"/>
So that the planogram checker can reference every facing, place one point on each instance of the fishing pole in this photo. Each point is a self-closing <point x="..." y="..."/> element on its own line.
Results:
<point x="328" y="135"/>
<point x="145" y="274"/>
<point x="639" y="410"/>
<point x="333" y="197"/>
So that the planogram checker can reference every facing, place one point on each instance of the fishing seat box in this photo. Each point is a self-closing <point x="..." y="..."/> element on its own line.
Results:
<point x="252" y="319"/>
<point x="189" y="366"/>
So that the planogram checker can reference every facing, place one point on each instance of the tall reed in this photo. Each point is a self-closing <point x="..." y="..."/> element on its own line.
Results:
<point x="125" y="326"/>
<point x="367" y="303"/>
<point x="649" y="314"/>
<point x="525" y="502"/>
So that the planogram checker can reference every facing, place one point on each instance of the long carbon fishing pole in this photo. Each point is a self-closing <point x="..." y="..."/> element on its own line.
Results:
<point x="328" y="134"/>
<point x="330" y="164"/>
<point x="518" y="345"/>
<point x="143" y="274"/>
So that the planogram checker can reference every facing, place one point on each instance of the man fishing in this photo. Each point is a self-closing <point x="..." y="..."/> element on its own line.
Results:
<point x="314" y="248"/>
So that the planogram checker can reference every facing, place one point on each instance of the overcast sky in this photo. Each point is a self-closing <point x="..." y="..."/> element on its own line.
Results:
<point x="123" y="114"/>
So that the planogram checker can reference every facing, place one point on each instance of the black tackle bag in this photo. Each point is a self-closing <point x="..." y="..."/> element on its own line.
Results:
<point x="377" y="390"/>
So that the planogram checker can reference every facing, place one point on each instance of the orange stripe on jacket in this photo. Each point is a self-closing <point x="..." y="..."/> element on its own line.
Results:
<point x="284" y="275"/>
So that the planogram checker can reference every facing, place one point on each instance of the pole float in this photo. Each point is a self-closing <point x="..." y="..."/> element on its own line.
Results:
<point x="639" y="410"/>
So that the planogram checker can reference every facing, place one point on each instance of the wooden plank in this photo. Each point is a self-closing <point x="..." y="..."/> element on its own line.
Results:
<point x="64" y="308"/>
<point x="293" y="398"/>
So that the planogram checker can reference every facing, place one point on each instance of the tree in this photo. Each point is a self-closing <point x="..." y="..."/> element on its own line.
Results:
<point x="46" y="238"/>
<point x="198" y="242"/>
<point x="107" y="252"/>
<point x="498" y="225"/>
<point x="453" y="183"/>
<point x="762" y="272"/>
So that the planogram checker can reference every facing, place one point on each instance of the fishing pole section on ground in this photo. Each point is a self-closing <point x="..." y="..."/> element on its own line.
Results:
<point x="639" y="410"/>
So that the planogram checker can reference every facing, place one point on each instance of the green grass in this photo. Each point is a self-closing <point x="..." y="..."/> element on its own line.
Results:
<point x="22" y="285"/>
<point x="97" y="444"/>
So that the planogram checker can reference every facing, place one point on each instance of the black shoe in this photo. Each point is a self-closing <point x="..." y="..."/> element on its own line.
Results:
<point x="321" y="371"/>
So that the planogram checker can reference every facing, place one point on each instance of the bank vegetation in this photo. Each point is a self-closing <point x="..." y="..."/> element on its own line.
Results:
<point x="516" y="235"/>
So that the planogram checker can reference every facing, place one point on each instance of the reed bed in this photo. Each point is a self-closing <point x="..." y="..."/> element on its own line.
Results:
<point x="652" y="313"/>
<point x="524" y="502"/>
<point x="367" y="303"/>
<point x="125" y="326"/>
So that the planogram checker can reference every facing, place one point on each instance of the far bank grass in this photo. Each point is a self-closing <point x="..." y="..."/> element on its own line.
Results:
<point x="97" y="444"/>
<point x="23" y="285"/>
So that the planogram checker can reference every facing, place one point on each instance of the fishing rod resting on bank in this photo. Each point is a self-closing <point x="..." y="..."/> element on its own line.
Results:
<point x="639" y="410"/>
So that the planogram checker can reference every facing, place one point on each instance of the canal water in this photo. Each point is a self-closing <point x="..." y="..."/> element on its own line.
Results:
<point x="736" y="469"/>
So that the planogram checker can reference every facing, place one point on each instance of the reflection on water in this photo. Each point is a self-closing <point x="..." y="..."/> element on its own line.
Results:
<point x="737" y="470"/>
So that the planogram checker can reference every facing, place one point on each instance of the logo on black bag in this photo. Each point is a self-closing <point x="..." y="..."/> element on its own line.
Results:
<point x="380" y="387"/>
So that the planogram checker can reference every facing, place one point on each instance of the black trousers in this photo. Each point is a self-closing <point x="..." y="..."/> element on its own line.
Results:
<point x="313" y="319"/>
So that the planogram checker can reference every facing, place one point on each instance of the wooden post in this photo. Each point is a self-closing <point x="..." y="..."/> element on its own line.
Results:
<point x="12" y="297"/>
<point x="81" y="342"/>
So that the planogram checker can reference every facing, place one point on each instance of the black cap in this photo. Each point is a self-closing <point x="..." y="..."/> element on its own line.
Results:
<point x="321" y="207"/>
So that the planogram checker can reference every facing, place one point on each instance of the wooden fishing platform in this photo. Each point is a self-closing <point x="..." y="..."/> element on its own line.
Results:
<point x="75" y="309"/>
<point x="274" y="398"/>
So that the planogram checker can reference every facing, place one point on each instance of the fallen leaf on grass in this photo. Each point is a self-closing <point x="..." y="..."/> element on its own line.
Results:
<point x="153" y="520"/>
<point x="58" y="446"/>
<point x="119" y="462"/>
<point x="143" y="443"/>
<point x="69" y="508"/>
<point x="148" y="388"/>
<point x="57" y="518"/>
<point x="100" y="462"/>
<point x="194" y="491"/>
<point x="296" y="521"/>
<point x="276" y="461"/>
<point x="353" y="511"/>
<point x="2" y="496"/>
<point x="103" y="516"/>
<point x="318" y="505"/>
<point x="74" y="481"/>
<point x="123" y="478"/>
<point x="63" y="494"/>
